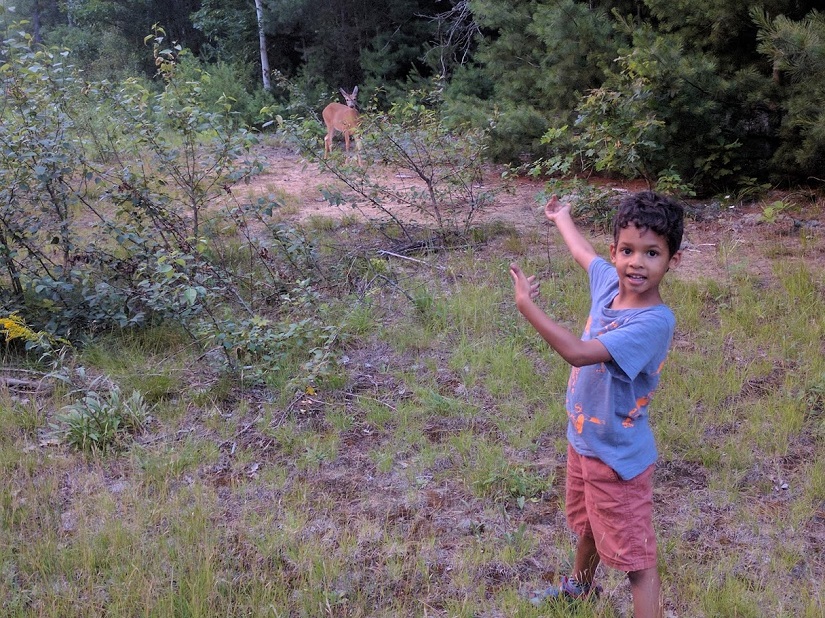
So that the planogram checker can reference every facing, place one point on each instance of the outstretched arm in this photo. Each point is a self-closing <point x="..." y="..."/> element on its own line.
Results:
<point x="559" y="213"/>
<point x="572" y="349"/>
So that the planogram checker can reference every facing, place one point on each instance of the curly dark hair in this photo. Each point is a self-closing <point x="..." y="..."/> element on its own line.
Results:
<point x="651" y="211"/>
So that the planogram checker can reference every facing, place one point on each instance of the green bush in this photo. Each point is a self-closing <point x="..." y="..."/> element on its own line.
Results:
<point x="102" y="422"/>
<point x="233" y="88"/>
<point x="116" y="211"/>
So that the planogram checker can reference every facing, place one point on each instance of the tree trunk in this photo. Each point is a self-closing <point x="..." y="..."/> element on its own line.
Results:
<point x="259" y="8"/>
<point x="36" y="23"/>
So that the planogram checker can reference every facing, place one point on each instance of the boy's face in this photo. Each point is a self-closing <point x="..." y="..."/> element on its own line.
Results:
<point x="642" y="259"/>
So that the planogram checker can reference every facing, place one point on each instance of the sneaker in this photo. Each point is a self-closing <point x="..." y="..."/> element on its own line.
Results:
<point x="570" y="590"/>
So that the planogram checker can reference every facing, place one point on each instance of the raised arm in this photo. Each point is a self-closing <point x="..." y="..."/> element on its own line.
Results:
<point x="572" y="349"/>
<point x="559" y="213"/>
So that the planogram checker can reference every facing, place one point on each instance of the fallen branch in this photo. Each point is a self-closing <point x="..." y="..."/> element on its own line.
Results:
<point x="25" y="385"/>
<point x="383" y="252"/>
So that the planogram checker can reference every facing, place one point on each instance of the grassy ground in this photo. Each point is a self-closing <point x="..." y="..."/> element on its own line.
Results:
<point x="425" y="477"/>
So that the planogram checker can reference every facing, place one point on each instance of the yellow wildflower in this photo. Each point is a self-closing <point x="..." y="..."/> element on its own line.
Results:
<point x="14" y="327"/>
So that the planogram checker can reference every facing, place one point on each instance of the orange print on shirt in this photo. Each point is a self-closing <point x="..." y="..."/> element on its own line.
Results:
<point x="640" y="403"/>
<point x="574" y="377"/>
<point x="580" y="418"/>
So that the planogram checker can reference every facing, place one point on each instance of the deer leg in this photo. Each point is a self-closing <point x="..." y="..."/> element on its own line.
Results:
<point x="327" y="143"/>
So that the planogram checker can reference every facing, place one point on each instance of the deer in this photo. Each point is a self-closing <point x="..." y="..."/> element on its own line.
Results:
<point x="343" y="118"/>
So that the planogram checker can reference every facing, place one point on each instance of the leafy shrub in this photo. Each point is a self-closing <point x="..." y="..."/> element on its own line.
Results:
<point x="115" y="207"/>
<point x="771" y="212"/>
<point x="84" y="246"/>
<point x="591" y="203"/>
<point x="260" y="347"/>
<point x="100" y="423"/>
<point x="652" y="118"/>
<point x="228" y="87"/>
<point x="670" y="182"/>
<point x="13" y="329"/>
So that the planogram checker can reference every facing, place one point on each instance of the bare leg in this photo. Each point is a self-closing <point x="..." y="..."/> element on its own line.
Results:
<point x="586" y="560"/>
<point x="647" y="593"/>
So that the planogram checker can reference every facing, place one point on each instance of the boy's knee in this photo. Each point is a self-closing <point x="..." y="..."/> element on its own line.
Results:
<point x="644" y="577"/>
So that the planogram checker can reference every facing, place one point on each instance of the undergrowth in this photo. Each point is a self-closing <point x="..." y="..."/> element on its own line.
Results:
<point x="422" y="474"/>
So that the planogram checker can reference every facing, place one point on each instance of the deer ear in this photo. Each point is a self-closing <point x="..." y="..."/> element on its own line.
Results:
<point x="342" y="91"/>
<point x="355" y="91"/>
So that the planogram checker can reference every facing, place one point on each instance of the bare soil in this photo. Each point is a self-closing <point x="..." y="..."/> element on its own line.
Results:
<point x="717" y="235"/>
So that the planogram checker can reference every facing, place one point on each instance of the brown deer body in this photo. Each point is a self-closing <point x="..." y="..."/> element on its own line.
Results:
<point x="343" y="118"/>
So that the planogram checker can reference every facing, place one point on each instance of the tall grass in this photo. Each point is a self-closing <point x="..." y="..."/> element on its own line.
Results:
<point x="427" y="479"/>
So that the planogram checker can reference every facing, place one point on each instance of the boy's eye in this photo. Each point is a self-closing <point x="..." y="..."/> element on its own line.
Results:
<point x="653" y="253"/>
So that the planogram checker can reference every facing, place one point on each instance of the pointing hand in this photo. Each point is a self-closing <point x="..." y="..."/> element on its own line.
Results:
<point x="525" y="287"/>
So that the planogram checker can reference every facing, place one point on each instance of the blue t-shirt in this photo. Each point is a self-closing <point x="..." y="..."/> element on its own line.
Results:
<point x="607" y="402"/>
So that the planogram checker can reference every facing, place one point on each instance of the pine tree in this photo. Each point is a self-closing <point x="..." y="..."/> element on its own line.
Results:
<point x="796" y="50"/>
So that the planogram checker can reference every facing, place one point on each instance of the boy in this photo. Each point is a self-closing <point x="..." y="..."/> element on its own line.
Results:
<point x="615" y="369"/>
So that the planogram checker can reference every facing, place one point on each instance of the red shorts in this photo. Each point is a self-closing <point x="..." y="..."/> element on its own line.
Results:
<point x="617" y="514"/>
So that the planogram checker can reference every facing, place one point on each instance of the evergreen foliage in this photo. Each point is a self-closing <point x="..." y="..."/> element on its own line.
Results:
<point x="539" y="58"/>
<point x="719" y="86"/>
<point x="797" y="52"/>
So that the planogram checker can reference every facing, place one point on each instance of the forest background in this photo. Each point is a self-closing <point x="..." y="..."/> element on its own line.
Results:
<point x="721" y="94"/>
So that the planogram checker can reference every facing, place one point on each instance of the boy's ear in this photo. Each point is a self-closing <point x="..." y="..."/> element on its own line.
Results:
<point x="613" y="252"/>
<point x="675" y="259"/>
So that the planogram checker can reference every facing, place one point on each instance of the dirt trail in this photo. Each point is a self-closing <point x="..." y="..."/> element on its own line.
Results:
<point x="727" y="238"/>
